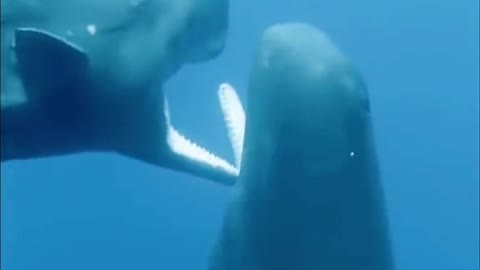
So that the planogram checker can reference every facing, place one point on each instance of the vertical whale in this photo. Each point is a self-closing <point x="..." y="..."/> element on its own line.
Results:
<point x="309" y="195"/>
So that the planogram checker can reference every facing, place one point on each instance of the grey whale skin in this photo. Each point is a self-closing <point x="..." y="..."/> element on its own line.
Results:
<point x="87" y="75"/>
<point x="309" y="195"/>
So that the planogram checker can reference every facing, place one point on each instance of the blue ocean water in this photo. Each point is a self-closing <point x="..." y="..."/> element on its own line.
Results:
<point x="421" y="62"/>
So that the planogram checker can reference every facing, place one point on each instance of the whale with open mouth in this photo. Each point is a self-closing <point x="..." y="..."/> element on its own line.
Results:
<point x="87" y="75"/>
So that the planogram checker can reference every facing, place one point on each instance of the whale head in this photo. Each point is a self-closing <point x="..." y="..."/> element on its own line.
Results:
<point x="308" y="108"/>
<point x="308" y="112"/>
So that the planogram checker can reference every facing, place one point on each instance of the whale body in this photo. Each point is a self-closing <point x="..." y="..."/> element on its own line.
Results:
<point x="309" y="195"/>
<point x="87" y="75"/>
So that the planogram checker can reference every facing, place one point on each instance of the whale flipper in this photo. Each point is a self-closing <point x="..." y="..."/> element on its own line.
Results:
<point x="234" y="116"/>
<point x="48" y="64"/>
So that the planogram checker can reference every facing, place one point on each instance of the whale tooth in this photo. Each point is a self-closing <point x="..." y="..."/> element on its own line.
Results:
<point x="186" y="148"/>
<point x="234" y="117"/>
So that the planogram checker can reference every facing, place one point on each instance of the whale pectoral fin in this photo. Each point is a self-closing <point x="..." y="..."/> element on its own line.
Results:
<point x="234" y="116"/>
<point x="196" y="160"/>
<point x="49" y="64"/>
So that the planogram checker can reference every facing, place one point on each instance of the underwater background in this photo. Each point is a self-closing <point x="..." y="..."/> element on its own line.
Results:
<point x="421" y="61"/>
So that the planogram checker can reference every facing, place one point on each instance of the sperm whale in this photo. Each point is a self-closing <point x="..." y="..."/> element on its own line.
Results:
<point x="87" y="75"/>
<point x="309" y="195"/>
